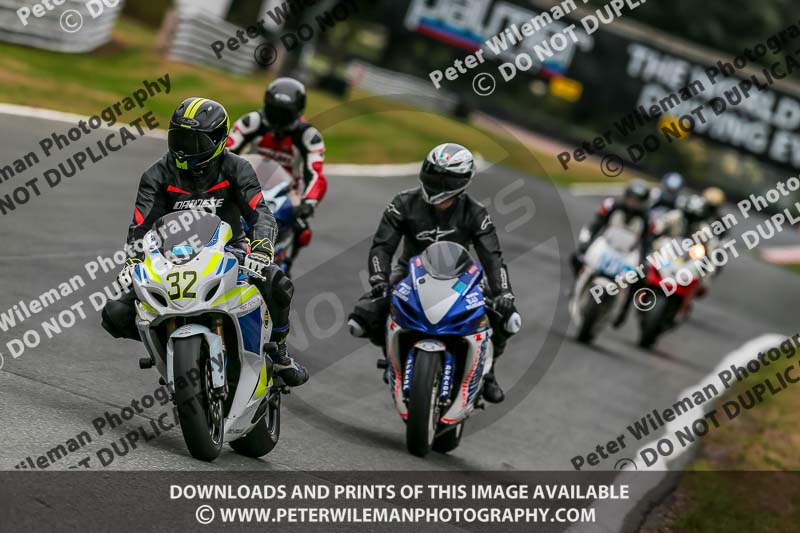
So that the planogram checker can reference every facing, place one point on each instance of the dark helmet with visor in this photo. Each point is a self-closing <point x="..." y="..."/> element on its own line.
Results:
<point x="447" y="172"/>
<point x="637" y="194"/>
<point x="198" y="132"/>
<point x="284" y="103"/>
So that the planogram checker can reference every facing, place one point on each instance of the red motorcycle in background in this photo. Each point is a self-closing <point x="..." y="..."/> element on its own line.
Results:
<point x="673" y="283"/>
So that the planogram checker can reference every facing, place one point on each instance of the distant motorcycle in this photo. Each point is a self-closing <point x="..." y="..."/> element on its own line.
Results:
<point x="439" y="346"/>
<point x="277" y="188"/>
<point x="203" y="326"/>
<point x="612" y="253"/>
<point x="674" y="284"/>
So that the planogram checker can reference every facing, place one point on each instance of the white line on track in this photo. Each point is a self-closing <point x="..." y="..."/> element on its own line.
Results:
<point x="597" y="189"/>
<point x="64" y="255"/>
<point x="351" y="170"/>
<point x="67" y="118"/>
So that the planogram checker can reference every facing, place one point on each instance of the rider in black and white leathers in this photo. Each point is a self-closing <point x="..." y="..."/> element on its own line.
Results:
<point x="630" y="211"/>
<point x="438" y="210"/>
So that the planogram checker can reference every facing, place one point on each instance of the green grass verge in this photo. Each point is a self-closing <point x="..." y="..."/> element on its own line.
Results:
<point x="88" y="83"/>
<point x="795" y="267"/>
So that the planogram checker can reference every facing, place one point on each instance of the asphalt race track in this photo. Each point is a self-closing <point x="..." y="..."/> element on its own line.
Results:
<point x="343" y="419"/>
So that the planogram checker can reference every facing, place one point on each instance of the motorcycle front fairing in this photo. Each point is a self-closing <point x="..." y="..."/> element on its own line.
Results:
<point x="608" y="256"/>
<point x="434" y="311"/>
<point x="196" y="279"/>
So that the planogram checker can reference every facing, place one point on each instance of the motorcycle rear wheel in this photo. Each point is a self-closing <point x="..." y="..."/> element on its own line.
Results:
<point x="202" y="419"/>
<point x="423" y="403"/>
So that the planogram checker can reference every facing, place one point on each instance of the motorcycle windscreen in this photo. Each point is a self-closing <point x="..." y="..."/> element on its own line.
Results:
<point x="622" y="238"/>
<point x="446" y="260"/>
<point x="184" y="234"/>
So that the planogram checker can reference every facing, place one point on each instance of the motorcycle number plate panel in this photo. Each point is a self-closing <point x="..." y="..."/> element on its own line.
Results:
<point x="437" y="297"/>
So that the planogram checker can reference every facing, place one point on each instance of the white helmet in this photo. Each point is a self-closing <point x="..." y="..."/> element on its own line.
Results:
<point x="447" y="172"/>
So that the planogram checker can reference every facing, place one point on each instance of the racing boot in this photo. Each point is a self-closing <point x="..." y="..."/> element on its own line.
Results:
<point x="290" y="371"/>
<point x="492" y="392"/>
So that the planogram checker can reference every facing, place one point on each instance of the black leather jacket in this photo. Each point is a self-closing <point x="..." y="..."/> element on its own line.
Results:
<point x="612" y="208"/>
<point x="418" y="224"/>
<point x="229" y="189"/>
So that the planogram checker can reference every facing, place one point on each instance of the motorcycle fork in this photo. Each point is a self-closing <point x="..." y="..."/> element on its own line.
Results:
<point x="216" y="327"/>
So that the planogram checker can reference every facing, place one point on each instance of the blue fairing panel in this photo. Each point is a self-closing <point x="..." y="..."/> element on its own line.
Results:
<point x="251" y="330"/>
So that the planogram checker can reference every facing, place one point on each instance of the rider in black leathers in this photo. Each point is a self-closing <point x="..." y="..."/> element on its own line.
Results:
<point x="198" y="173"/>
<point x="437" y="210"/>
<point x="630" y="211"/>
<point x="668" y="194"/>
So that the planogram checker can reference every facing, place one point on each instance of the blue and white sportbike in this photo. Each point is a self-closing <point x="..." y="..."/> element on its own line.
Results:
<point x="438" y="346"/>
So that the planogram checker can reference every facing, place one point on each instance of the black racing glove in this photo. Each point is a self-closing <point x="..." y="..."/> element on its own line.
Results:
<point x="305" y="210"/>
<point x="380" y="286"/>
<point x="504" y="305"/>
<point x="260" y="256"/>
<point x="125" y="276"/>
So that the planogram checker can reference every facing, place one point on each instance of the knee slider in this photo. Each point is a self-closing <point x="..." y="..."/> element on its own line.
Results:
<point x="115" y="318"/>
<point x="282" y="289"/>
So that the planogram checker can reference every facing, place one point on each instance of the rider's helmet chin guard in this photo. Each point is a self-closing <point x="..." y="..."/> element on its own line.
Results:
<point x="198" y="132"/>
<point x="636" y="195"/>
<point x="284" y="103"/>
<point x="446" y="172"/>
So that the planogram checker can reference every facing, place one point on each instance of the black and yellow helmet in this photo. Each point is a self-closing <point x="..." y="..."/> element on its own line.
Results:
<point x="198" y="131"/>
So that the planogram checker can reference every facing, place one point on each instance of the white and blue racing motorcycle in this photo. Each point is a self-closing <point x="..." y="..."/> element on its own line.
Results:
<point x="592" y="307"/>
<point x="203" y="325"/>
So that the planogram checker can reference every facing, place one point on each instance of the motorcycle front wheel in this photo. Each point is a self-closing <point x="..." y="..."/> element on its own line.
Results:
<point x="200" y="415"/>
<point x="423" y="403"/>
<point x="264" y="436"/>
<point x="591" y="312"/>
<point x="654" y="322"/>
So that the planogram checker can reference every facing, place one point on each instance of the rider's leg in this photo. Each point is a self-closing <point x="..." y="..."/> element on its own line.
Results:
<point x="119" y="317"/>
<point x="302" y="238"/>
<point x="277" y="291"/>
<point x="492" y="392"/>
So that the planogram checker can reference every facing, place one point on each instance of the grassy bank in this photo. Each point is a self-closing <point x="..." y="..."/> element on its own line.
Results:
<point x="740" y="480"/>
<point x="88" y="83"/>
